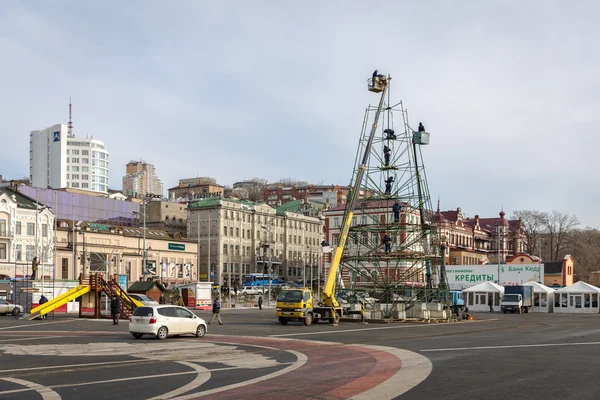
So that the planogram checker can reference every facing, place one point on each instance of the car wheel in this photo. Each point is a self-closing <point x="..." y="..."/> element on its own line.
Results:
<point x="283" y="321"/>
<point x="3" y="314"/>
<point x="162" y="333"/>
<point x="308" y="320"/>
<point x="16" y="311"/>
<point x="200" y="331"/>
<point x="137" y="335"/>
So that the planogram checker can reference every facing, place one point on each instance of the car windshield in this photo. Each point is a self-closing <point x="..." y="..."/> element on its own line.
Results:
<point x="290" y="296"/>
<point x="510" y="297"/>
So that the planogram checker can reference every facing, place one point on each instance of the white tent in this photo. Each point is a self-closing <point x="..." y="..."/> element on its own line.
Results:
<point x="579" y="297"/>
<point x="478" y="297"/>
<point x="543" y="297"/>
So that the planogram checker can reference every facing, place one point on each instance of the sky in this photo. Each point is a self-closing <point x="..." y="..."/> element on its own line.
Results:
<point x="239" y="89"/>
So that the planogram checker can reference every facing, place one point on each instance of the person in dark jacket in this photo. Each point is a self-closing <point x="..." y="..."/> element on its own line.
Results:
<point x="396" y="210"/>
<point x="386" y="155"/>
<point x="260" y="301"/>
<point x="43" y="300"/>
<point x="115" y="309"/>
<point x="387" y="241"/>
<point x="388" y="185"/>
<point x="216" y="310"/>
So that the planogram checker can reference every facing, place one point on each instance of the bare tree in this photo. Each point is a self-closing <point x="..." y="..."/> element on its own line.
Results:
<point x="533" y="228"/>
<point x="584" y="246"/>
<point x="287" y="182"/>
<point x="558" y="226"/>
<point x="256" y="187"/>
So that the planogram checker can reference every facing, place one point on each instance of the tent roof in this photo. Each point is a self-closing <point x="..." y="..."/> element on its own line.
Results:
<point x="579" y="287"/>
<point x="538" y="287"/>
<point x="485" y="287"/>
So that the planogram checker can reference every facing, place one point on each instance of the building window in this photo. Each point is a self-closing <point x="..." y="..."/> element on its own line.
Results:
<point x="29" y="253"/>
<point x="30" y="229"/>
<point x="224" y="231"/>
<point x="231" y="231"/>
<point x="2" y="227"/>
<point x="336" y="222"/>
<point x="18" y="252"/>
<point x="18" y="227"/>
<point x="65" y="268"/>
<point x="2" y="251"/>
<point x="44" y="230"/>
<point x="225" y="249"/>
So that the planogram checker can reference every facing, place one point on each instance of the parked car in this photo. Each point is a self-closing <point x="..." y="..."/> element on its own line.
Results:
<point x="166" y="320"/>
<point x="7" y="307"/>
<point x="142" y="298"/>
<point x="253" y="290"/>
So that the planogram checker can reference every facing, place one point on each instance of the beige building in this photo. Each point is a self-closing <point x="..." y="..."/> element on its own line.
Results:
<point x="195" y="188"/>
<point x="239" y="237"/>
<point x="119" y="250"/>
<point x="167" y="216"/>
<point x="141" y="180"/>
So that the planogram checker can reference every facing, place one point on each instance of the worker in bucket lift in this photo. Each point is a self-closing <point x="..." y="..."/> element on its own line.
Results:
<point x="390" y="134"/>
<point x="421" y="127"/>
<point x="388" y="185"/>
<point x="387" y="242"/>
<point x="386" y="155"/>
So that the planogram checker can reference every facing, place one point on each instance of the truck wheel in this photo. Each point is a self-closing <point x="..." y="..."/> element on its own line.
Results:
<point x="283" y="321"/>
<point x="526" y="310"/>
<point x="504" y="311"/>
<point x="308" y="320"/>
<point x="519" y="311"/>
<point x="316" y="321"/>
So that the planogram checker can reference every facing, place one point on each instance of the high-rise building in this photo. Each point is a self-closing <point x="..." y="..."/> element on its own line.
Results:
<point x="141" y="180"/>
<point x="58" y="159"/>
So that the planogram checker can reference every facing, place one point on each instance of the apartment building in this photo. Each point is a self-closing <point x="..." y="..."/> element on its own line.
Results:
<point x="237" y="237"/>
<point x="141" y="180"/>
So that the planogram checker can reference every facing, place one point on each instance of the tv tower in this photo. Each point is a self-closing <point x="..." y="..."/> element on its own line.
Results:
<point x="70" y="132"/>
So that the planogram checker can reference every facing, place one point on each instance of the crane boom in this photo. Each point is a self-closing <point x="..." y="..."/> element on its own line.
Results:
<point x="328" y="295"/>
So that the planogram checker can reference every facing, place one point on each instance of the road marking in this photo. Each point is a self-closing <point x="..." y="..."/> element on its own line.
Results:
<point x="516" y="346"/>
<point x="415" y="369"/>
<point x="27" y="338"/>
<point x="30" y="325"/>
<point x="203" y="376"/>
<point x="72" y="366"/>
<point x="44" y="391"/>
<point x="132" y="378"/>
<point x="301" y="360"/>
<point x="379" y="328"/>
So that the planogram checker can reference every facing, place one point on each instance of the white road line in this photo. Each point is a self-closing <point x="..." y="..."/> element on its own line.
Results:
<point x="132" y="378"/>
<point x="301" y="360"/>
<point x="516" y="346"/>
<point x="27" y="338"/>
<point x="4" y="371"/>
<point x="414" y="370"/>
<point x="30" y="325"/>
<point x="203" y="376"/>
<point x="44" y="391"/>
<point x="381" y="328"/>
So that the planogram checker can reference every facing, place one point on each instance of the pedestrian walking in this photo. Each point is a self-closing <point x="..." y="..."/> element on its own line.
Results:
<point x="115" y="309"/>
<point x="260" y="301"/>
<point x="491" y="303"/>
<point x="216" y="310"/>
<point x="43" y="300"/>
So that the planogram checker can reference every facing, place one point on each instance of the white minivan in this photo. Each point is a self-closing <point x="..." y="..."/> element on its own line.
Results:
<point x="164" y="321"/>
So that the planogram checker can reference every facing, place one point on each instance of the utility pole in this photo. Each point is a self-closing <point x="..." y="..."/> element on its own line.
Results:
<point x="144" y="257"/>
<point x="498" y="233"/>
<point x="209" y="272"/>
<point x="198" y="258"/>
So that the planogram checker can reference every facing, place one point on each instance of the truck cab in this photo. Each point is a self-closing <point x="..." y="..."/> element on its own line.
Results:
<point x="512" y="303"/>
<point x="295" y="305"/>
<point x="517" y="299"/>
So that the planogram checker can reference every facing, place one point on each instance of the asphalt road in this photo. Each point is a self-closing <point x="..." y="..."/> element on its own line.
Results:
<point x="496" y="356"/>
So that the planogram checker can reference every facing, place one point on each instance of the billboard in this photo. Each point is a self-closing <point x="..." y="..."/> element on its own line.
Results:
<point x="464" y="276"/>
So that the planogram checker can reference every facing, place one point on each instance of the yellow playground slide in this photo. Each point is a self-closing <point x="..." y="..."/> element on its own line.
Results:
<point x="56" y="302"/>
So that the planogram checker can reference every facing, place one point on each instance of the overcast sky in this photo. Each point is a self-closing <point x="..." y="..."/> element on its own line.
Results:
<point x="508" y="90"/>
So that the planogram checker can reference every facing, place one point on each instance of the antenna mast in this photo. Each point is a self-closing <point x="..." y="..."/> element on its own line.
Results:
<point x="70" y="134"/>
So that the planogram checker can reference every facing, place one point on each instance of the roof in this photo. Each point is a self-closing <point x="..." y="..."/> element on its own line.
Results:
<point x="23" y="201"/>
<point x="538" y="287"/>
<point x="485" y="287"/>
<point x="144" y="286"/>
<point x="196" y="186"/>
<point x="553" y="267"/>
<point x="579" y="287"/>
<point x="291" y="206"/>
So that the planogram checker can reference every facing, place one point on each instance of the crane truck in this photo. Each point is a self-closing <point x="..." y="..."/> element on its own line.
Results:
<point x="298" y="304"/>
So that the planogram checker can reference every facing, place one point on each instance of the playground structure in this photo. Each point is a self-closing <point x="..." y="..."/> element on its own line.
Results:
<point x="394" y="253"/>
<point x="89" y="292"/>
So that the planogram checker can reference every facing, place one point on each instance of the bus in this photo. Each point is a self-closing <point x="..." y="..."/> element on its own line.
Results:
<point x="260" y="279"/>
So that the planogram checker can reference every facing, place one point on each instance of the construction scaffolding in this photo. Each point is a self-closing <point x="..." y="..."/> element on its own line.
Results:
<point x="394" y="257"/>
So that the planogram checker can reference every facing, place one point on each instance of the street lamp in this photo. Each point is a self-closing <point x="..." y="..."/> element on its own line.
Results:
<point x="268" y="229"/>
<point x="149" y="197"/>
